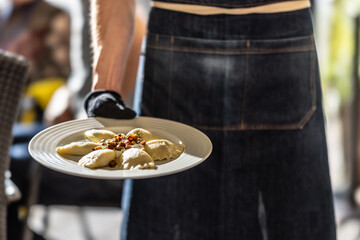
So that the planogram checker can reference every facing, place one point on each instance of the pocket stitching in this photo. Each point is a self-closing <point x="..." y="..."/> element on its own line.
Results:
<point x="308" y="114"/>
<point x="248" y="50"/>
<point x="170" y="77"/>
<point x="245" y="86"/>
<point x="235" y="51"/>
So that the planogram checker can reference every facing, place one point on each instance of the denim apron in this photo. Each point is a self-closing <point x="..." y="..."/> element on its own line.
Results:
<point x="251" y="83"/>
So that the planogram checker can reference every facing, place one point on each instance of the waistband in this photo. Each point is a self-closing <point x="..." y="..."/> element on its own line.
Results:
<point x="278" y="7"/>
<point x="231" y="27"/>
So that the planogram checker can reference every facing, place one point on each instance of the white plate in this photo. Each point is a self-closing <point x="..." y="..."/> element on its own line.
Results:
<point x="43" y="146"/>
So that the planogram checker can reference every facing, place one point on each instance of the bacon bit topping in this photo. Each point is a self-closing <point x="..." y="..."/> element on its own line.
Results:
<point x="120" y="142"/>
<point x="112" y="163"/>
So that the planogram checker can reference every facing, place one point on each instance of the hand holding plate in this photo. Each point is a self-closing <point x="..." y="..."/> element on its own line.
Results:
<point x="108" y="104"/>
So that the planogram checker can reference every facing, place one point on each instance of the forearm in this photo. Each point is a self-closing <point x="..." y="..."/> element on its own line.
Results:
<point x="112" y="23"/>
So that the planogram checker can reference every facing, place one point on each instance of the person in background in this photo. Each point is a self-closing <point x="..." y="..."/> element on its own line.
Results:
<point x="41" y="33"/>
<point x="245" y="73"/>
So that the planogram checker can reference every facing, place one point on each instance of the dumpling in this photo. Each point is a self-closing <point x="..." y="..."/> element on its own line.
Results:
<point x="98" y="158"/>
<point x="143" y="134"/>
<point x="161" y="149"/>
<point x="135" y="158"/>
<point x="95" y="135"/>
<point x="77" y="148"/>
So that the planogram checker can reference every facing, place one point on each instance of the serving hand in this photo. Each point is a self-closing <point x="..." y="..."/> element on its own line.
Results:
<point x="108" y="104"/>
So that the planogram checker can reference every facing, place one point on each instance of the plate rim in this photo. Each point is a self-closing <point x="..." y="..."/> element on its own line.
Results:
<point x="120" y="177"/>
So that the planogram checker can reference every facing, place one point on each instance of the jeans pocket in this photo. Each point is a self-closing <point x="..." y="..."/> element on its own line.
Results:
<point x="279" y="90"/>
<point x="231" y="84"/>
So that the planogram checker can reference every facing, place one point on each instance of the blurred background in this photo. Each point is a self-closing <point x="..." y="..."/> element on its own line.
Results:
<point x="54" y="36"/>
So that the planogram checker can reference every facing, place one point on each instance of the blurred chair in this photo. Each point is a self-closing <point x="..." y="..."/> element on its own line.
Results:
<point x="13" y="71"/>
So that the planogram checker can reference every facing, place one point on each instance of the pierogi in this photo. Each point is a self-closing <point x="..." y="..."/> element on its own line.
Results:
<point x="136" y="158"/>
<point x="143" y="134"/>
<point x="162" y="149"/>
<point x="96" y="159"/>
<point x="96" y="135"/>
<point x="138" y="149"/>
<point x="77" y="148"/>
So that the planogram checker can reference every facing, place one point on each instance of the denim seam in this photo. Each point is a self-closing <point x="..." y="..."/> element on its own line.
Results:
<point x="238" y="127"/>
<point x="229" y="5"/>
<point x="297" y="126"/>
<point x="297" y="38"/>
<point x="235" y="51"/>
<point x="312" y="91"/>
<point x="170" y="78"/>
<point x="245" y="86"/>
<point x="242" y="125"/>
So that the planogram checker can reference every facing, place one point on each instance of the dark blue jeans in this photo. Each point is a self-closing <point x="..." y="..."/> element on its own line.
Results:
<point x="251" y="83"/>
